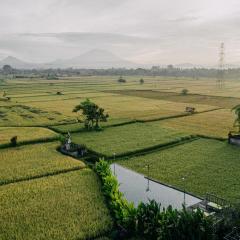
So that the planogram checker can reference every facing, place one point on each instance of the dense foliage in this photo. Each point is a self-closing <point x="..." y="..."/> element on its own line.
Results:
<point x="92" y="112"/>
<point x="148" y="220"/>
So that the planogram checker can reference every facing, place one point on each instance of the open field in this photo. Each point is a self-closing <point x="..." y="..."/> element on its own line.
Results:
<point x="33" y="160"/>
<point x="123" y="107"/>
<point x="215" y="123"/>
<point x="64" y="207"/>
<point x="22" y="115"/>
<point x="25" y="134"/>
<point x="207" y="165"/>
<point x="223" y="102"/>
<point x="52" y="196"/>
<point x="127" y="138"/>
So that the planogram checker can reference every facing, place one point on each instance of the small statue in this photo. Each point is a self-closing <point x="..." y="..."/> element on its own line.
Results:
<point x="68" y="142"/>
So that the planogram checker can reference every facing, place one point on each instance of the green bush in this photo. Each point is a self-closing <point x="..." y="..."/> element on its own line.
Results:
<point x="123" y="211"/>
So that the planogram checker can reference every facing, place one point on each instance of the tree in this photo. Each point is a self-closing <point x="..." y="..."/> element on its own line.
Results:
<point x="236" y="110"/>
<point x="122" y="80"/>
<point x="7" y="69"/>
<point x="92" y="113"/>
<point x="184" y="91"/>
<point x="141" y="81"/>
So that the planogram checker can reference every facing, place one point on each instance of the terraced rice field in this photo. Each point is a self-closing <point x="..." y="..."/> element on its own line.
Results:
<point x="64" y="207"/>
<point x="207" y="165"/>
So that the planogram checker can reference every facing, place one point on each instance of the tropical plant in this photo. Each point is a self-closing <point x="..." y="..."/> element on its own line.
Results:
<point x="236" y="110"/>
<point x="92" y="112"/>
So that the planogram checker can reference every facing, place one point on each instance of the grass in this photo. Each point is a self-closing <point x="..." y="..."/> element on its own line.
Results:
<point x="30" y="161"/>
<point x="127" y="138"/>
<point x="215" y="123"/>
<point x="63" y="207"/>
<point x="207" y="165"/>
<point x="25" y="134"/>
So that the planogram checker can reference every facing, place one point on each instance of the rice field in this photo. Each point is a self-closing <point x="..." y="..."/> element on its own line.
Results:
<point x="35" y="160"/>
<point x="218" y="101"/>
<point x="22" y="115"/>
<point x="127" y="138"/>
<point x="119" y="106"/>
<point x="214" y="124"/>
<point x="64" y="207"/>
<point x="208" y="166"/>
<point x="52" y="196"/>
<point x="25" y="134"/>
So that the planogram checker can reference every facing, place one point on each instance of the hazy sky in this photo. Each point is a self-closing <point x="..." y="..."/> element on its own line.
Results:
<point x="143" y="31"/>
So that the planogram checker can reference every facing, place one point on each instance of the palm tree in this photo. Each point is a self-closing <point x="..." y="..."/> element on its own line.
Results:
<point x="236" y="110"/>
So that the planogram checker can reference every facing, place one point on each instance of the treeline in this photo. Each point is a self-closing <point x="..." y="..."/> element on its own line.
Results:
<point x="170" y="71"/>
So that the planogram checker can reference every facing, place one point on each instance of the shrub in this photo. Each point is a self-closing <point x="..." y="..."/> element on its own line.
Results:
<point x="13" y="141"/>
<point x="123" y="211"/>
<point x="122" y="80"/>
<point x="184" y="91"/>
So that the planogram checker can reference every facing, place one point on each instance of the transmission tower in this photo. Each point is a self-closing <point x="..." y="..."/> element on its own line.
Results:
<point x="220" y="77"/>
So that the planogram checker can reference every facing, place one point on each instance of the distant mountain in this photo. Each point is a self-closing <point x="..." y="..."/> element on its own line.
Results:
<point x="93" y="59"/>
<point x="16" y="63"/>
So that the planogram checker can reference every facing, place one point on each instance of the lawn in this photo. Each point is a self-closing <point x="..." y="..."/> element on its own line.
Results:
<point x="25" y="134"/>
<point x="33" y="160"/>
<point x="127" y="138"/>
<point x="68" y="206"/>
<point x="215" y="123"/>
<point x="207" y="165"/>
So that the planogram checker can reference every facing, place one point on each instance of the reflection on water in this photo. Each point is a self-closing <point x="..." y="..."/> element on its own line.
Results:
<point x="137" y="188"/>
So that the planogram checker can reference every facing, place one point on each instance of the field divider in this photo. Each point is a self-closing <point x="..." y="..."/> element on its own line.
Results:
<point x="212" y="137"/>
<point x="47" y="174"/>
<point x="177" y="116"/>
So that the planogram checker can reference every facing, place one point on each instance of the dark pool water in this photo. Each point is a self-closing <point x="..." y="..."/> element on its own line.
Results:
<point x="137" y="188"/>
